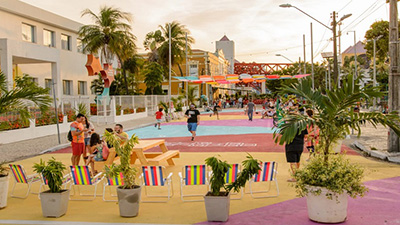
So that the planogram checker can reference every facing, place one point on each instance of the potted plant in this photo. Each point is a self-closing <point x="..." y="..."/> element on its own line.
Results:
<point x="3" y="185"/>
<point x="328" y="179"/>
<point x="129" y="193"/>
<point x="55" y="200"/>
<point x="217" y="201"/>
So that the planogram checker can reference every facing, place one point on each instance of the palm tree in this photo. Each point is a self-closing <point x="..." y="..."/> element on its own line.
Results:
<point x="191" y="96"/>
<point x="97" y="85"/>
<point x="21" y="97"/>
<point x="153" y="75"/>
<point x="158" y="43"/>
<point x="335" y="117"/>
<point x="110" y="35"/>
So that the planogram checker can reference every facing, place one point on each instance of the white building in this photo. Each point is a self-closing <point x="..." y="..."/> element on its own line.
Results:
<point x="45" y="46"/>
<point x="228" y="47"/>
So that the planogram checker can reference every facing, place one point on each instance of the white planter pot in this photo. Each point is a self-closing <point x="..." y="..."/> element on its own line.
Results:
<point x="324" y="210"/>
<point x="54" y="204"/>
<point x="128" y="201"/>
<point x="217" y="207"/>
<point x="3" y="191"/>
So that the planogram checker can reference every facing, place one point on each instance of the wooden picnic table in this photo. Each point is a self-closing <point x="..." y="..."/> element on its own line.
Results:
<point x="153" y="158"/>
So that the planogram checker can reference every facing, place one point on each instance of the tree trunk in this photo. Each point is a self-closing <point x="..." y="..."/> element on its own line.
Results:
<point x="125" y="79"/>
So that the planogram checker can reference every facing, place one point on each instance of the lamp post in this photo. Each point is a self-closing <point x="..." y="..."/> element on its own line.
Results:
<point x="327" y="56"/>
<point x="355" y="56"/>
<point x="284" y="57"/>
<point x="374" y="78"/>
<point x="333" y="29"/>
<point x="169" y="68"/>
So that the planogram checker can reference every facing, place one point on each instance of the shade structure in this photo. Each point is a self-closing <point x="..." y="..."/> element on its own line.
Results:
<point x="245" y="76"/>
<point x="247" y="80"/>
<point x="286" y="77"/>
<point x="273" y="77"/>
<point x="301" y="75"/>
<point x="218" y="78"/>
<point x="232" y="78"/>
<point x="205" y="78"/>
<point x="259" y="76"/>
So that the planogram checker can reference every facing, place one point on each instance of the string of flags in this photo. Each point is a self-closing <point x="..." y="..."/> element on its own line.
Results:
<point x="234" y="78"/>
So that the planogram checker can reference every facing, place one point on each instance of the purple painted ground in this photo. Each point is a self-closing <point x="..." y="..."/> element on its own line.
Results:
<point x="380" y="206"/>
<point x="240" y="123"/>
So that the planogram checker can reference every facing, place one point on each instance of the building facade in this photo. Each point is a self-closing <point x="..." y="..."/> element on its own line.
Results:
<point x="43" y="45"/>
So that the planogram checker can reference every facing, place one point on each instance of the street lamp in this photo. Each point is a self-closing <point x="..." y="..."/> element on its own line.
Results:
<point x="333" y="29"/>
<point x="374" y="41"/>
<point x="284" y="57"/>
<point x="355" y="56"/>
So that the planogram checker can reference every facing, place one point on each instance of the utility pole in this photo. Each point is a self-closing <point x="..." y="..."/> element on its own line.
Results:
<point x="169" y="70"/>
<point x="304" y="51"/>
<point x="335" y="61"/>
<point x="394" y="76"/>
<point x="312" y="58"/>
<point x="187" y="69"/>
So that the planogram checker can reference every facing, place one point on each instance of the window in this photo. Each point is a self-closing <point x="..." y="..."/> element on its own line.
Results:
<point x="35" y="80"/>
<point x="79" y="45"/>
<point x="67" y="87"/>
<point x="193" y="70"/>
<point x="65" y="42"/>
<point x="48" y="38"/>
<point x="48" y="84"/>
<point x="28" y="33"/>
<point x="82" y="87"/>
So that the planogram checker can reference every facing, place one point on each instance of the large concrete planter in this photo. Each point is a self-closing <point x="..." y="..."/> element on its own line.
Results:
<point x="128" y="201"/>
<point x="324" y="210"/>
<point x="3" y="191"/>
<point x="217" y="207"/>
<point x="54" y="204"/>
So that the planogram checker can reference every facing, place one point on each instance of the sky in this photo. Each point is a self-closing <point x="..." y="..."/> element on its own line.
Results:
<point x="260" y="28"/>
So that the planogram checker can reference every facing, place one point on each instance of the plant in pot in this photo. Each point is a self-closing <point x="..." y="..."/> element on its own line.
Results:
<point x="55" y="200"/>
<point x="217" y="201"/>
<point x="3" y="184"/>
<point x="329" y="178"/>
<point x="129" y="193"/>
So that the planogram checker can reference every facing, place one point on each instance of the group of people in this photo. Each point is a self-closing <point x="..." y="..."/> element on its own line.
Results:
<point x="88" y="144"/>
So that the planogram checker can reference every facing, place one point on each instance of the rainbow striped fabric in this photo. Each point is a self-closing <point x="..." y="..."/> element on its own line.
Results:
<point x="81" y="175"/>
<point x="266" y="173"/>
<point x="19" y="174"/>
<point x="116" y="181"/>
<point x="195" y="175"/>
<point x="153" y="175"/>
<point x="232" y="173"/>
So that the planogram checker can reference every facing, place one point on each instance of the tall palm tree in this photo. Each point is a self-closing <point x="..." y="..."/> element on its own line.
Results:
<point x="158" y="43"/>
<point x="153" y="75"/>
<point x="21" y="97"/>
<point x="110" y="35"/>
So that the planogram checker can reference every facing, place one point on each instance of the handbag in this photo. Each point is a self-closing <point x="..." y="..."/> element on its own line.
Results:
<point x="106" y="151"/>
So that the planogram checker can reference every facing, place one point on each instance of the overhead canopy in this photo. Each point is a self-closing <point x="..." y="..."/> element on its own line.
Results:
<point x="234" y="78"/>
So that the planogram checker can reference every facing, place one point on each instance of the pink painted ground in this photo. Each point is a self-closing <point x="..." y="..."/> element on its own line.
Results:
<point x="380" y="206"/>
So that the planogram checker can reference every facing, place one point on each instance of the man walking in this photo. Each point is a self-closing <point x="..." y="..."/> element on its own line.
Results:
<point x="193" y="121"/>
<point x="78" y="138"/>
<point x="249" y="108"/>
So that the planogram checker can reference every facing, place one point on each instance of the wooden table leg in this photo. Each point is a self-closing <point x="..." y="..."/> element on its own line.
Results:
<point x="163" y="147"/>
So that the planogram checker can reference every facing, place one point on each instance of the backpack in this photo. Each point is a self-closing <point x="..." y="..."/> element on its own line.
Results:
<point x="69" y="136"/>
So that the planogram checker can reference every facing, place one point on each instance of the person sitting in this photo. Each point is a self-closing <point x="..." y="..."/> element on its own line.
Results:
<point x="119" y="132"/>
<point x="96" y="149"/>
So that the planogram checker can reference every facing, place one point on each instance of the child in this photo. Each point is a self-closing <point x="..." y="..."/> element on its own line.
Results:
<point x="159" y="115"/>
<point x="95" y="150"/>
<point x="313" y="135"/>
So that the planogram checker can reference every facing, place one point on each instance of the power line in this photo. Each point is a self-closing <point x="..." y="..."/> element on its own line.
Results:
<point x="370" y="8"/>
<point x="368" y="15"/>
<point x="345" y="6"/>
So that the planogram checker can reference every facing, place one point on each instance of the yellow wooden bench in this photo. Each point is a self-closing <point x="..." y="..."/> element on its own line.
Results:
<point x="164" y="156"/>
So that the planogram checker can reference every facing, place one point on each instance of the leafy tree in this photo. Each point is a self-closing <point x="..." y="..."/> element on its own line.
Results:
<point x="25" y="94"/>
<point x="110" y="34"/>
<point x="153" y="75"/>
<point x="349" y="65"/>
<point x="191" y="95"/>
<point x="379" y="28"/>
<point x="97" y="85"/>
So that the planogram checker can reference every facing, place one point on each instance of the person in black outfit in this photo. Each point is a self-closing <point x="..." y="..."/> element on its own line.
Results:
<point x="293" y="151"/>
<point x="193" y="121"/>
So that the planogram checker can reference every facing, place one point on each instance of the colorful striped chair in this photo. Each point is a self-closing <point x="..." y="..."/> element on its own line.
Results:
<point x="20" y="177"/>
<point x="112" y="182"/>
<point x="193" y="175"/>
<point x="267" y="174"/>
<point x="81" y="177"/>
<point x="154" y="176"/>
<point x="66" y="179"/>
<point x="231" y="177"/>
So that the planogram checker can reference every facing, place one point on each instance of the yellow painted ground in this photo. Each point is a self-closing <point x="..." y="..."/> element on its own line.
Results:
<point x="175" y="211"/>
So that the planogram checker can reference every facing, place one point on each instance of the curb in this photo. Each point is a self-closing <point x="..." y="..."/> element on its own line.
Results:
<point x="391" y="157"/>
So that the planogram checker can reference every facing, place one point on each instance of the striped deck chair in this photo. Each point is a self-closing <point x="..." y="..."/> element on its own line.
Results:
<point x="231" y="177"/>
<point x="81" y="177"/>
<point x="267" y="174"/>
<point x="66" y="179"/>
<point x="154" y="176"/>
<point x="193" y="175"/>
<point x="20" y="177"/>
<point x="112" y="182"/>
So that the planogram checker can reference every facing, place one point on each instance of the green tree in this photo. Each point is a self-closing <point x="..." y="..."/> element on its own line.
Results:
<point x="349" y="65"/>
<point x="158" y="43"/>
<point x="110" y="35"/>
<point x="191" y="95"/>
<point x="97" y="85"/>
<point x="153" y="75"/>
<point x="25" y="94"/>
